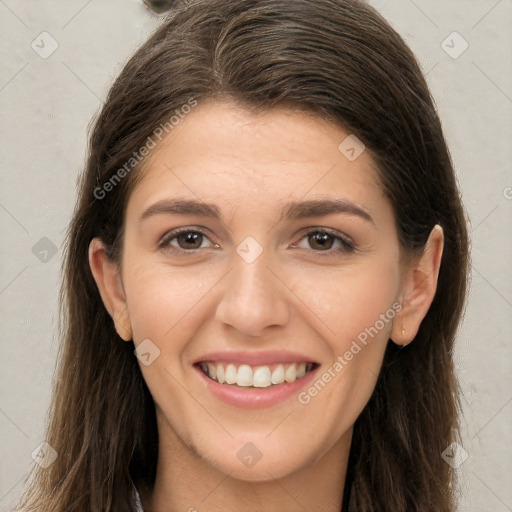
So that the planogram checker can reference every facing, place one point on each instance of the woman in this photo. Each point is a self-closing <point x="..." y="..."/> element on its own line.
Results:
<point x="264" y="275"/>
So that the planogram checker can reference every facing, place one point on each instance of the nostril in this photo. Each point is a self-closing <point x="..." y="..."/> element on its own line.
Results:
<point x="159" y="6"/>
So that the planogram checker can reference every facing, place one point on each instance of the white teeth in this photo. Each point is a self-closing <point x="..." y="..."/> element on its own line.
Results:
<point x="258" y="377"/>
<point x="212" y="371"/>
<point x="244" y="376"/>
<point x="291" y="373"/>
<point x="220" y="374"/>
<point x="261" y="377"/>
<point x="278" y="375"/>
<point x="230" y="374"/>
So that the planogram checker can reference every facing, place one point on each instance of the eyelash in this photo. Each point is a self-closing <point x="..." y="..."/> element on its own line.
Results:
<point x="347" y="246"/>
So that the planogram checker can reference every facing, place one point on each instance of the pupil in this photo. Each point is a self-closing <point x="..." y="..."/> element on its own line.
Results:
<point x="190" y="238"/>
<point x="321" y="239"/>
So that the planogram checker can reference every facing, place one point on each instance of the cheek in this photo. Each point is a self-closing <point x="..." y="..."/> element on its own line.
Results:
<point x="353" y="303"/>
<point x="162" y="299"/>
<point x="361" y="316"/>
<point x="356" y="313"/>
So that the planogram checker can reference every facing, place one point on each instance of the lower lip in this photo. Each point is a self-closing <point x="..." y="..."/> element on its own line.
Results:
<point x="255" y="398"/>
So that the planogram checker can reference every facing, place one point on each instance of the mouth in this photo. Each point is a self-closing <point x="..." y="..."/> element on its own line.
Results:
<point x="260" y="376"/>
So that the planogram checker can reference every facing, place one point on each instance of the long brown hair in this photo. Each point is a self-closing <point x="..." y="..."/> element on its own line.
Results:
<point x="336" y="58"/>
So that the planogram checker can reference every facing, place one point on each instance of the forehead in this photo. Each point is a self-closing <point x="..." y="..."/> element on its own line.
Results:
<point x="223" y="152"/>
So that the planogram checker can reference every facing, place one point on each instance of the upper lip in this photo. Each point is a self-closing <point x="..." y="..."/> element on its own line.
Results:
<point x="255" y="358"/>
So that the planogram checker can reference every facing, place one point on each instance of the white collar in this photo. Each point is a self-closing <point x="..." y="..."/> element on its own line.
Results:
<point x="138" y="502"/>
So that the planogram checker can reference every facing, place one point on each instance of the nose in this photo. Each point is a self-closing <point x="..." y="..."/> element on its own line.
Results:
<point x="253" y="298"/>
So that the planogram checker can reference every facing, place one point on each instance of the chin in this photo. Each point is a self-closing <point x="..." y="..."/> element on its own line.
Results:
<point x="260" y="462"/>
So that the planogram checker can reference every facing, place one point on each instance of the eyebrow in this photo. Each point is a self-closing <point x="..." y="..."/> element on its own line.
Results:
<point x="293" y="210"/>
<point x="319" y="207"/>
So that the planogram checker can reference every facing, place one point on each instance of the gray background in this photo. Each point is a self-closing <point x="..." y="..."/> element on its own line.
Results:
<point x="47" y="104"/>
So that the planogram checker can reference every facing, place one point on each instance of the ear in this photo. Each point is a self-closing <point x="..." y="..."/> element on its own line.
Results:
<point x="107" y="275"/>
<point x="418" y="289"/>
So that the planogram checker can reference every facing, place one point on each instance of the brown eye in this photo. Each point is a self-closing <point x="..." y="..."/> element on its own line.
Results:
<point x="321" y="241"/>
<point x="324" y="241"/>
<point x="186" y="240"/>
<point x="190" y="240"/>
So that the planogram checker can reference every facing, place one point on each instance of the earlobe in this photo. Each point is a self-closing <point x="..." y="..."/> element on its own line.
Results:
<point x="107" y="275"/>
<point x="418" y="289"/>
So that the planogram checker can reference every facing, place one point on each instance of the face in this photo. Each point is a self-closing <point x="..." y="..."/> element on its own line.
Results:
<point x="283" y="287"/>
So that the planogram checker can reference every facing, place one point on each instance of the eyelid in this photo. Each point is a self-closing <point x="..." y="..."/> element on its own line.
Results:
<point x="346" y="241"/>
<point x="348" y="244"/>
<point x="165" y="240"/>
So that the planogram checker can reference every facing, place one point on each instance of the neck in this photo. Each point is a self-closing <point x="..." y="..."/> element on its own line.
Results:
<point x="186" y="482"/>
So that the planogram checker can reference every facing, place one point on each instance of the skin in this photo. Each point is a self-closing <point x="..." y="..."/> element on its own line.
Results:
<point x="292" y="297"/>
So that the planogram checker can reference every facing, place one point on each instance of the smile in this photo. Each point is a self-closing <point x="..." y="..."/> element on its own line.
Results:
<point x="261" y="376"/>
